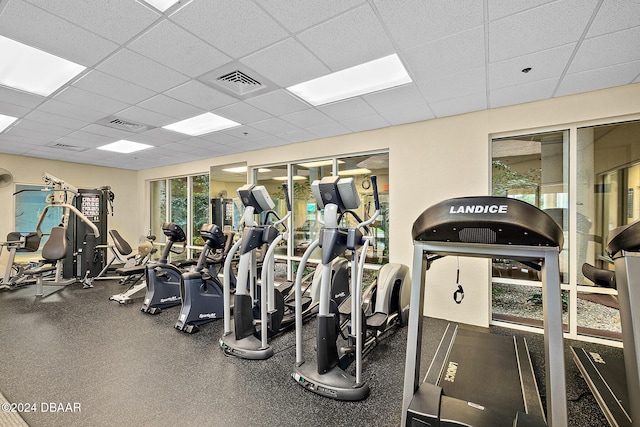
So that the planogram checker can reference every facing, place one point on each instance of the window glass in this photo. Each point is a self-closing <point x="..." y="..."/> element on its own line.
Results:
<point x="608" y="181"/>
<point x="178" y="201"/>
<point x="361" y="168"/>
<point x="306" y="217"/>
<point x="532" y="168"/>
<point x="199" y="206"/>
<point x="273" y="177"/>
<point x="226" y="206"/>
<point x="158" y="208"/>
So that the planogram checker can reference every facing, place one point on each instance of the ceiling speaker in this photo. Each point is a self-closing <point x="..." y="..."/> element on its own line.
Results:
<point x="5" y="178"/>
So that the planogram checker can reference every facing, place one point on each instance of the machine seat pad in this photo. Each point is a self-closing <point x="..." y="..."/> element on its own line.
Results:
<point x="377" y="320"/>
<point x="131" y="270"/>
<point x="39" y="270"/>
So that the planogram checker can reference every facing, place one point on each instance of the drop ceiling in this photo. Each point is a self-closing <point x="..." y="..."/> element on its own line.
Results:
<point x="147" y="69"/>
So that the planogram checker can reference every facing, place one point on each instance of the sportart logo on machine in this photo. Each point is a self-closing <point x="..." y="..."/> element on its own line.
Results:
<point x="478" y="209"/>
<point x="170" y="299"/>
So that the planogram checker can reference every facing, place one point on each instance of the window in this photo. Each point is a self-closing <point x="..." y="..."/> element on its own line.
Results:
<point x="184" y="201"/>
<point x="306" y="219"/>
<point x="532" y="168"/>
<point x="608" y="181"/>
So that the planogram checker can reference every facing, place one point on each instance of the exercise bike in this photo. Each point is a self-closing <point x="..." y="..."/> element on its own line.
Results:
<point x="324" y="376"/>
<point x="163" y="279"/>
<point x="201" y="289"/>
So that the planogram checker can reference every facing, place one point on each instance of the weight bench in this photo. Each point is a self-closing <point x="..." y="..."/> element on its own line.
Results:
<point x="53" y="251"/>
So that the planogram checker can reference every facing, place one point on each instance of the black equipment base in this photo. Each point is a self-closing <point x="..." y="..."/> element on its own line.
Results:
<point x="606" y="378"/>
<point x="478" y="379"/>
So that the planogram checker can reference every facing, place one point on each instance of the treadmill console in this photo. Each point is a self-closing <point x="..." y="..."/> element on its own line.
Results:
<point x="487" y="220"/>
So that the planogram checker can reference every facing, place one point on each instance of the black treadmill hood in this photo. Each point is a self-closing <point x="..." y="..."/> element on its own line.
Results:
<point x="625" y="237"/>
<point x="487" y="220"/>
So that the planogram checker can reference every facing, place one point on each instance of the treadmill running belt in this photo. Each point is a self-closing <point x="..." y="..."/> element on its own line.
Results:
<point x="486" y="372"/>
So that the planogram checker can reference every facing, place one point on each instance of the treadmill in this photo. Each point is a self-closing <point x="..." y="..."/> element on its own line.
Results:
<point x="475" y="378"/>
<point x="614" y="382"/>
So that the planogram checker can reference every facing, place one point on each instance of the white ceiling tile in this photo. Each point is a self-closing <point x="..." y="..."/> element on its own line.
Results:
<point x="115" y="20"/>
<point x="329" y="129"/>
<point x="156" y="135"/>
<point x="306" y="13"/>
<point x="361" y="124"/>
<point x="245" y="133"/>
<point x="500" y="8"/>
<point x="274" y="126"/>
<point x="145" y="117"/>
<point x="271" y="141"/>
<point x="350" y="39"/>
<point x="236" y="28"/>
<point x="544" y="27"/>
<point x="176" y="48"/>
<point x="522" y="93"/>
<point x="13" y="110"/>
<point x="113" y="87"/>
<point x="92" y="137"/>
<point x="54" y="35"/>
<point x="610" y="49"/>
<point x="434" y="59"/>
<point x="79" y="139"/>
<point x="278" y="103"/>
<point x="200" y="95"/>
<point x="402" y="116"/>
<point x="307" y="118"/>
<point x="615" y="15"/>
<point x="51" y="131"/>
<point x="54" y="119"/>
<point x="274" y="62"/>
<point x="600" y="78"/>
<point x="54" y="106"/>
<point x="242" y="112"/>
<point x="296" y="136"/>
<point x="347" y="109"/>
<point x="405" y="96"/>
<point x="466" y="104"/>
<point x="142" y="71"/>
<point x="171" y="107"/>
<point x="33" y="136"/>
<point x="416" y="22"/>
<point x="220" y="138"/>
<point x="86" y="99"/>
<point x="455" y="85"/>
<point x="107" y="131"/>
<point x="19" y="98"/>
<point x="544" y="65"/>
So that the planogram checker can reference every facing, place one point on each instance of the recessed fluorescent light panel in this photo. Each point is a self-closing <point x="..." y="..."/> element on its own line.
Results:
<point x="365" y="78"/>
<point x="202" y="124"/>
<point x="124" y="146"/>
<point x="360" y="171"/>
<point x="29" y="69"/>
<point x="5" y="121"/>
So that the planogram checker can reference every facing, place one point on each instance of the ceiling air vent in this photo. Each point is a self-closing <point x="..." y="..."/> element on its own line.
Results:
<point x="67" y="147"/>
<point x="237" y="80"/>
<point x="121" y="124"/>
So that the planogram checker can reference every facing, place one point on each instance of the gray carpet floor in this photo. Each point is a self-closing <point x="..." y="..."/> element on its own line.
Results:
<point x="108" y="364"/>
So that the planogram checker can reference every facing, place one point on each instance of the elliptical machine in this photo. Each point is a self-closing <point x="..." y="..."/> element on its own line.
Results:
<point x="241" y="341"/>
<point x="324" y="376"/>
<point x="163" y="279"/>
<point x="201" y="290"/>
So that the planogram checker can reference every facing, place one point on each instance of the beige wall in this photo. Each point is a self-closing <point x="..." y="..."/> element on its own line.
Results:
<point x="434" y="160"/>
<point x="429" y="161"/>
<point x="29" y="170"/>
